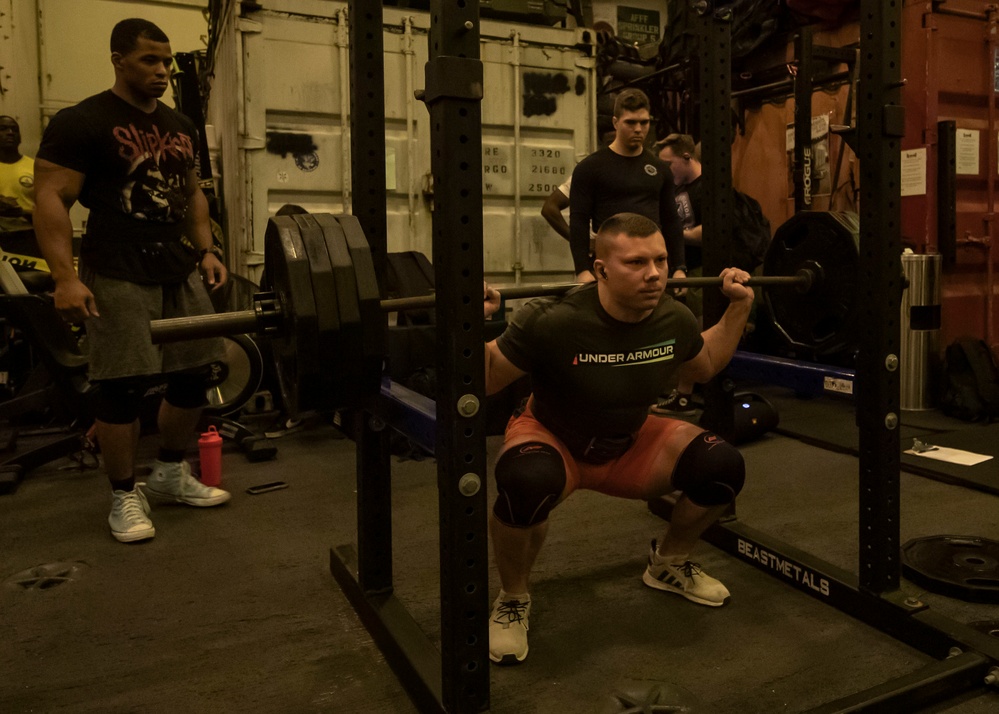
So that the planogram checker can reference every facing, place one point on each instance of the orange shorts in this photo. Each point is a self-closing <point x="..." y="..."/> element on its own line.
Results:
<point x="644" y="471"/>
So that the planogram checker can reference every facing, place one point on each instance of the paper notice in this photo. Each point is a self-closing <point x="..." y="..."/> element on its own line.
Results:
<point x="913" y="181"/>
<point x="967" y="152"/>
<point x="952" y="456"/>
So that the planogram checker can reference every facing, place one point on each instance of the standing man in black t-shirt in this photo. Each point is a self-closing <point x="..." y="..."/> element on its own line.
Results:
<point x="147" y="250"/>
<point x="680" y="152"/>
<point x="596" y="357"/>
<point x="623" y="178"/>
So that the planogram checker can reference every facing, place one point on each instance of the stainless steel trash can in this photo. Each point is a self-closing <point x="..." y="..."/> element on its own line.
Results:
<point x="920" y="326"/>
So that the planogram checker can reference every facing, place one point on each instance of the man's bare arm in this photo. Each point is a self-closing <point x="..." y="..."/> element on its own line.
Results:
<point x="500" y="372"/>
<point x="692" y="236"/>
<point x="552" y="212"/>
<point x="56" y="190"/>
<point x="198" y="229"/>
<point x="722" y="339"/>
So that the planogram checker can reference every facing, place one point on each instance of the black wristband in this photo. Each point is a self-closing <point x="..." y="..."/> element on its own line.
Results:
<point x="205" y="251"/>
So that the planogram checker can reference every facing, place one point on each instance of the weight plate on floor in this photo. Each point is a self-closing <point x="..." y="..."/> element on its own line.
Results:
<point x="295" y="349"/>
<point x="823" y="320"/>
<point x="964" y="567"/>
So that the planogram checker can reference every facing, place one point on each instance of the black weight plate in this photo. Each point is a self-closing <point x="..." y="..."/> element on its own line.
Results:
<point x="280" y="343"/>
<point x="964" y="567"/>
<point x="368" y="291"/>
<point x="324" y="290"/>
<point x="369" y="294"/>
<point x="823" y="320"/>
<point x="239" y="379"/>
<point x="353" y="381"/>
<point x="295" y="355"/>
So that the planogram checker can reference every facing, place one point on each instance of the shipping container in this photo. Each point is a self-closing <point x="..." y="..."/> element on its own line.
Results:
<point x="279" y="108"/>
<point x="949" y="161"/>
<point x="73" y="58"/>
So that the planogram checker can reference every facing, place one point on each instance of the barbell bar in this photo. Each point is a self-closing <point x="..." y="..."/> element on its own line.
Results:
<point x="264" y="320"/>
<point x="320" y="308"/>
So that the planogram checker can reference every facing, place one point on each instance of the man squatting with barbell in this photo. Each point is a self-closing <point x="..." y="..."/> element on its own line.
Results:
<point x="597" y="357"/>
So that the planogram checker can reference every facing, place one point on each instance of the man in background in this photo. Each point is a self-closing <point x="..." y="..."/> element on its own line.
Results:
<point x="558" y="200"/>
<point x="17" y="173"/>
<point x="624" y="178"/>
<point x="679" y="151"/>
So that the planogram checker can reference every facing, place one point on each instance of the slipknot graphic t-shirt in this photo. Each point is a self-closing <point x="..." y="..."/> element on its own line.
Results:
<point x="591" y="374"/>
<point x="136" y="167"/>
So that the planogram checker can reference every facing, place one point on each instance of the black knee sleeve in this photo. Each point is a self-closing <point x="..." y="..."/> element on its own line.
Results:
<point x="530" y="477"/>
<point x="188" y="389"/>
<point x="118" y="401"/>
<point x="710" y="471"/>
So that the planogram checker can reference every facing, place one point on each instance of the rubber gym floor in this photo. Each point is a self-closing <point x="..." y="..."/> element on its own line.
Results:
<point x="233" y="609"/>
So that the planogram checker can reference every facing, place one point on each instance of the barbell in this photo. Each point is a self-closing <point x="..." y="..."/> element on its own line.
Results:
<point x="320" y="307"/>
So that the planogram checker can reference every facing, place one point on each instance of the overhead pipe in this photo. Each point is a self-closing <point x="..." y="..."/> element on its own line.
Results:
<point x="990" y="169"/>
<point x="409" y="57"/>
<point x="986" y="241"/>
<point x="343" y="50"/>
<point x="940" y="8"/>
<point x="518" y="263"/>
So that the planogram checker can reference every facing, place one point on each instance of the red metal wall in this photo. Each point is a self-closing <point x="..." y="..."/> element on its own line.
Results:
<point x="949" y="62"/>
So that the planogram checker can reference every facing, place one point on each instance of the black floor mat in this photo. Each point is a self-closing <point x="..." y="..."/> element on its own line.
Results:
<point x="830" y="424"/>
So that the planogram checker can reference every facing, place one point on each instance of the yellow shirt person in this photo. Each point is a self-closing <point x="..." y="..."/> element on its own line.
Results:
<point x="17" y="172"/>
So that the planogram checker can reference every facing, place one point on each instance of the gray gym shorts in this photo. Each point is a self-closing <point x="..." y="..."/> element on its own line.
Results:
<point x="118" y="342"/>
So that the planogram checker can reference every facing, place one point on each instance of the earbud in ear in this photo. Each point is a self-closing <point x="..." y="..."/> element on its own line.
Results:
<point x="603" y="272"/>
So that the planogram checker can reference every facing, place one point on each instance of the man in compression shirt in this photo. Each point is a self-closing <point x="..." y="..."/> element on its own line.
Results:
<point x="623" y="178"/>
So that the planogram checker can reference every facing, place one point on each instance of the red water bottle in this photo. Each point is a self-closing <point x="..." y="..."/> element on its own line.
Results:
<point x="210" y="445"/>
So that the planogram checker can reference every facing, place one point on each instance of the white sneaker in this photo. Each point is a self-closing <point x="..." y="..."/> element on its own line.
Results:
<point x="508" y="629"/>
<point x="174" y="482"/>
<point x="686" y="579"/>
<point x="129" y="519"/>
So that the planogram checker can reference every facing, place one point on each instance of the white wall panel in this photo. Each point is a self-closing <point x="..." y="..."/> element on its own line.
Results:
<point x="537" y="123"/>
<point x="74" y="36"/>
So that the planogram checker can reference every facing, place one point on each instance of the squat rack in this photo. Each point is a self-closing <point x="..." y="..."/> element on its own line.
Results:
<point x="965" y="655"/>
<point x="455" y="678"/>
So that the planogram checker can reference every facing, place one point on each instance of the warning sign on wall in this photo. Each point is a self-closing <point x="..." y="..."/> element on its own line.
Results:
<point x="637" y="25"/>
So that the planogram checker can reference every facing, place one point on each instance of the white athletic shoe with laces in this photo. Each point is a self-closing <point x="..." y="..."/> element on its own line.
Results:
<point x="508" y="629"/>
<point x="129" y="519"/>
<point x="174" y="482"/>
<point x="686" y="579"/>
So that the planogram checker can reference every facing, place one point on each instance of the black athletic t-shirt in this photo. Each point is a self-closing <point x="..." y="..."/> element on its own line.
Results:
<point x="593" y="375"/>
<point x="606" y="183"/>
<point x="689" y="199"/>
<point x="136" y="167"/>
